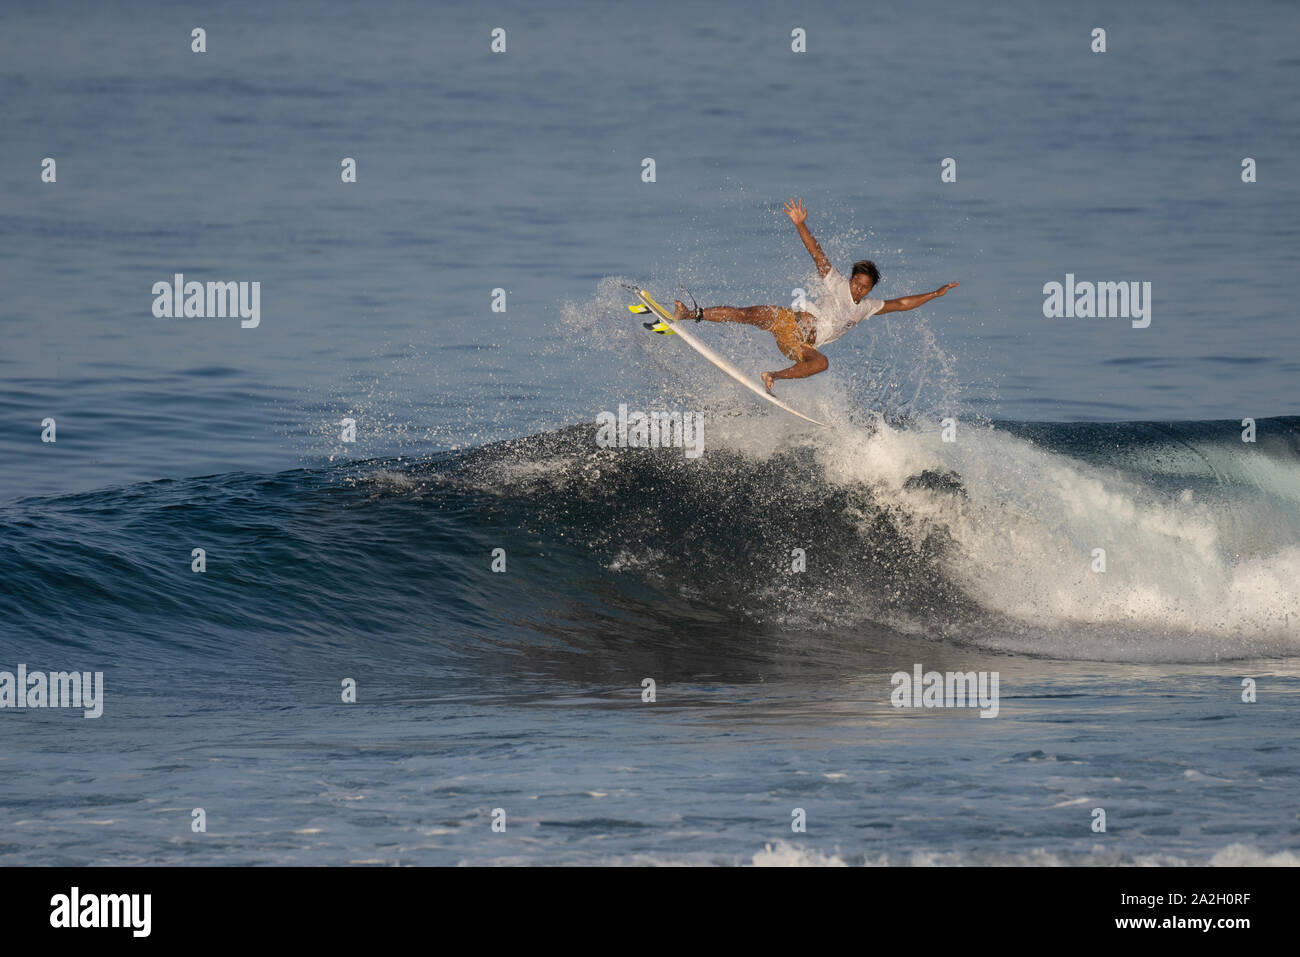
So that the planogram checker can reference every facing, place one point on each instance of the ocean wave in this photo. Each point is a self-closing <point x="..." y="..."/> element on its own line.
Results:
<point x="990" y="540"/>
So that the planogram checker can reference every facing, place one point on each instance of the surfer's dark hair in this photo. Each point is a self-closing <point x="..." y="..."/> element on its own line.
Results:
<point x="868" y="267"/>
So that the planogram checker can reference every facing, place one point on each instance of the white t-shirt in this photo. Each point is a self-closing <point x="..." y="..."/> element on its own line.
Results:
<point x="835" y="309"/>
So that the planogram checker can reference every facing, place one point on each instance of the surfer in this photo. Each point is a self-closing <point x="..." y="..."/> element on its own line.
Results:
<point x="842" y="304"/>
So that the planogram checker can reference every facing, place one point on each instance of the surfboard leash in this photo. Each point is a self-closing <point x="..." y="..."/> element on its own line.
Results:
<point x="699" y="313"/>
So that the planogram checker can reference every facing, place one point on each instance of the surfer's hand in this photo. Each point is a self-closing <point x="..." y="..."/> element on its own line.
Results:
<point x="794" y="209"/>
<point x="942" y="290"/>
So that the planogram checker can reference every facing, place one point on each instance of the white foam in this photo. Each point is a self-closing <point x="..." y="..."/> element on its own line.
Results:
<point x="1208" y="579"/>
<point x="785" y="854"/>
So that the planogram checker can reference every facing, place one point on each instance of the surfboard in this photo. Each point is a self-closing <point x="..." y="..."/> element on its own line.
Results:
<point x="678" y="328"/>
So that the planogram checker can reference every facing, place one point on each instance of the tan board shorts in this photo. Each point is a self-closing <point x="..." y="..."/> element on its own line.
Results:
<point x="793" y="331"/>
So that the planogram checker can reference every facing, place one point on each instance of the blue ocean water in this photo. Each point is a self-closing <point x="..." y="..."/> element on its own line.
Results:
<point x="522" y="690"/>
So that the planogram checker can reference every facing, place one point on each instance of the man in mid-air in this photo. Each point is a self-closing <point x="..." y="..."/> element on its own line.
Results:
<point x="841" y="306"/>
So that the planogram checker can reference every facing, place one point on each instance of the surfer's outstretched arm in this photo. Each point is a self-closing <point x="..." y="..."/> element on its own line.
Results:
<point x="794" y="209"/>
<point x="911" y="302"/>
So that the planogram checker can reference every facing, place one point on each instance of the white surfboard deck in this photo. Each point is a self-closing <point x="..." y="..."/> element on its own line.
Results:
<point x="680" y="330"/>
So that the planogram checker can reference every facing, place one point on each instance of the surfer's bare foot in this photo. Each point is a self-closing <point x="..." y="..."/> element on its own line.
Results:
<point x="767" y="381"/>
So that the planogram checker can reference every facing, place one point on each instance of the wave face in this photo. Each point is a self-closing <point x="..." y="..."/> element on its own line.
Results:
<point x="987" y="541"/>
